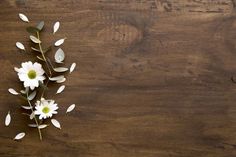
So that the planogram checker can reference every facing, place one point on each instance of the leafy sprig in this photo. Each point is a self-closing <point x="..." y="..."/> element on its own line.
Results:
<point x="33" y="93"/>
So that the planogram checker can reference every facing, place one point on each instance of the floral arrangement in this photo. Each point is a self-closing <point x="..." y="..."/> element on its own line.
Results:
<point x="36" y="76"/>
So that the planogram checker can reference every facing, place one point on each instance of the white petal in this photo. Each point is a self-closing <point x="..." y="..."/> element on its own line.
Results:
<point x="56" y="27"/>
<point x="59" y="42"/>
<point x="59" y="56"/>
<point x="56" y="78"/>
<point x="72" y="67"/>
<point x="20" y="46"/>
<point x="42" y="126"/>
<point x="61" y="80"/>
<point x="27" y="65"/>
<point x="32" y="95"/>
<point x="56" y="123"/>
<point x="34" y="39"/>
<point x="70" y="108"/>
<point x="8" y="119"/>
<point x="12" y="91"/>
<point x="37" y="112"/>
<point x="61" y="89"/>
<point x="37" y="66"/>
<point x="34" y="82"/>
<point x="41" y="78"/>
<point x="23" y="77"/>
<point x="32" y="87"/>
<point x="23" y="17"/>
<point x="60" y="69"/>
<point x="16" y="69"/>
<point x="19" y="136"/>
<point x="26" y="107"/>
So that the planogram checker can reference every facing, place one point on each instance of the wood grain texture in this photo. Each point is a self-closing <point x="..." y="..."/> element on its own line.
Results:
<point x="153" y="78"/>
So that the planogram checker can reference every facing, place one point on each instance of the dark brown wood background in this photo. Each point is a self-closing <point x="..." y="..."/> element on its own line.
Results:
<point x="153" y="78"/>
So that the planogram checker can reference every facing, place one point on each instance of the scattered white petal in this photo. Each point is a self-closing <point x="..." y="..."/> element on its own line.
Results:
<point x="20" y="46"/>
<point x="59" y="56"/>
<point x="56" y="27"/>
<point x="32" y="95"/>
<point x="61" y="89"/>
<point x="19" y="136"/>
<point x="72" y="67"/>
<point x="56" y="78"/>
<point x="26" y="107"/>
<point x="56" y="123"/>
<point x="61" y="80"/>
<point x="8" y="119"/>
<point x="59" y="42"/>
<point x="34" y="39"/>
<point x="60" y="69"/>
<point x="42" y="126"/>
<point x="32" y="125"/>
<point x="23" y="17"/>
<point x="12" y="91"/>
<point x="70" y="108"/>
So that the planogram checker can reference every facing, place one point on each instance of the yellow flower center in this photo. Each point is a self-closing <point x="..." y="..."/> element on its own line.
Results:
<point x="32" y="74"/>
<point x="46" y="110"/>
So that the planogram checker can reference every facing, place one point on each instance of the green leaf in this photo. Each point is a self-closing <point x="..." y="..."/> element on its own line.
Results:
<point x="40" y="25"/>
<point x="35" y="39"/>
<point x="37" y="50"/>
<point x="32" y="30"/>
<point x="40" y="58"/>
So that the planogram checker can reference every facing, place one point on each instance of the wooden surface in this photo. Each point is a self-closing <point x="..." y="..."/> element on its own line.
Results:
<point x="153" y="78"/>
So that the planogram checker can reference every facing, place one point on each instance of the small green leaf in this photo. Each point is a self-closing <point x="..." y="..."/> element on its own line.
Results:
<point x="40" y="58"/>
<point x="32" y="30"/>
<point x="34" y="39"/>
<point x="37" y="50"/>
<point x="40" y="25"/>
<point x="32" y="95"/>
<point x="59" y="56"/>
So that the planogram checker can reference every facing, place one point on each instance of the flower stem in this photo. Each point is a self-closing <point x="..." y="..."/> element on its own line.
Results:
<point x="44" y="58"/>
<point x="36" y="121"/>
<point x="47" y="64"/>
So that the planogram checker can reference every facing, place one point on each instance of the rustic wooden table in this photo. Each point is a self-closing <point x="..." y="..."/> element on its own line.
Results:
<point x="153" y="78"/>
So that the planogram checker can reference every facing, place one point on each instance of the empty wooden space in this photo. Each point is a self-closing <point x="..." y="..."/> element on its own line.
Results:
<point x="153" y="78"/>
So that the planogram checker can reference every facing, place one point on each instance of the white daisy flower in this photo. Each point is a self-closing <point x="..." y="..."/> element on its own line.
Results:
<point x="45" y="108"/>
<point x="31" y="74"/>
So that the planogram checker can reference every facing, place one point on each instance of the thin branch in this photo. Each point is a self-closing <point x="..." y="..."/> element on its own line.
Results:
<point x="36" y="121"/>
<point x="44" y="58"/>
